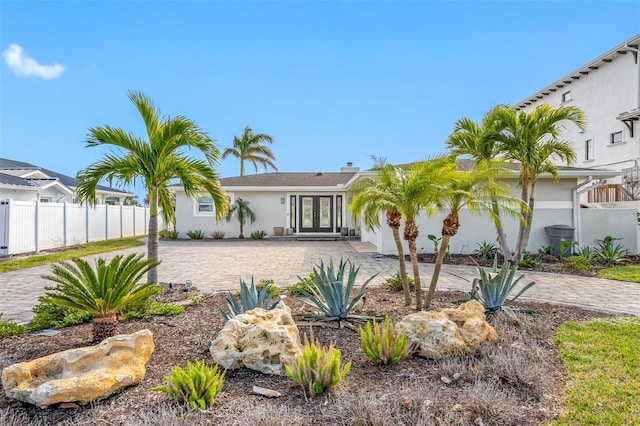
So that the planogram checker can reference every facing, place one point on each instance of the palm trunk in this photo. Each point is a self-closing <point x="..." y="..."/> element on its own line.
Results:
<point x="153" y="241"/>
<point x="241" y="167"/>
<point x="442" y="251"/>
<point x="502" y="237"/>
<point x="524" y="196"/>
<point x="104" y="325"/>
<point x="406" y="289"/>
<point x="393" y="220"/>
<point x="529" y="218"/>
<point x="410" y="234"/>
<point x="241" y="236"/>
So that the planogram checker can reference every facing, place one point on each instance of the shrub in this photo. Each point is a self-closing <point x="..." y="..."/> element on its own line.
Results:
<point x="151" y="307"/>
<point x="384" y="345"/>
<point x="566" y="248"/>
<point x="171" y="234"/>
<point x="217" y="234"/>
<point x="258" y="235"/>
<point x="102" y="292"/>
<point x="528" y="260"/>
<point x="610" y="253"/>
<point x="300" y="286"/>
<point x="198" y="234"/>
<point x="198" y="385"/>
<point x="331" y="296"/>
<point x="485" y="250"/>
<point x="394" y="283"/>
<point x="250" y="298"/>
<point x="50" y="315"/>
<point x="577" y="263"/>
<point x="317" y="369"/>
<point x="8" y="328"/>
<point x="492" y="289"/>
<point x="273" y="289"/>
<point x="545" y="250"/>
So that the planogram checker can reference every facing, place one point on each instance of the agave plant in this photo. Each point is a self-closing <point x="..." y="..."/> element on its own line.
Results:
<point x="330" y="295"/>
<point x="493" y="289"/>
<point x="250" y="298"/>
<point x="611" y="253"/>
<point x="101" y="292"/>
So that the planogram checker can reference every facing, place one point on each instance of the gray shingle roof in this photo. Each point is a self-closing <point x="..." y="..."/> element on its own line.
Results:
<point x="7" y="164"/>
<point x="288" y="179"/>
<point x="16" y="181"/>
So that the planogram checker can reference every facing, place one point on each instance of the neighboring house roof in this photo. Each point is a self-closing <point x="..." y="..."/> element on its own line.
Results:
<point x="563" y="171"/>
<point x="278" y="179"/>
<point x="7" y="180"/>
<point x="592" y="66"/>
<point x="13" y="167"/>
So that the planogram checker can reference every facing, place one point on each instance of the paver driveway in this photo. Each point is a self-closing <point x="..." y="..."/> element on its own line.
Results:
<point x="215" y="265"/>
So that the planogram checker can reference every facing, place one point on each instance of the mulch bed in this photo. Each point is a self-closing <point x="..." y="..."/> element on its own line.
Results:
<point x="415" y="391"/>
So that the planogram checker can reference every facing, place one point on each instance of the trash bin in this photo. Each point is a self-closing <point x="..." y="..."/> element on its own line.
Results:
<point x="557" y="233"/>
<point x="344" y="231"/>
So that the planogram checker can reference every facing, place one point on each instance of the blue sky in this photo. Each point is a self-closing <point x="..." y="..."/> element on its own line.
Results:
<point x="331" y="81"/>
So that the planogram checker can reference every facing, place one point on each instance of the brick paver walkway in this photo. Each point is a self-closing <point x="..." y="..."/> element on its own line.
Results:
<point x="218" y="265"/>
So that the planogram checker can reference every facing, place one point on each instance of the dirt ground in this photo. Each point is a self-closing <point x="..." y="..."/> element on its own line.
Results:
<point x="516" y="381"/>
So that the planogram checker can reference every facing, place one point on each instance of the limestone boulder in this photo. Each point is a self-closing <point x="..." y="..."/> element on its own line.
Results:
<point x="83" y="374"/>
<point x="449" y="331"/>
<point x="259" y="339"/>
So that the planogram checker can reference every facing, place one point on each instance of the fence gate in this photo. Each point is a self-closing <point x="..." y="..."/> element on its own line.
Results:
<point x="4" y="227"/>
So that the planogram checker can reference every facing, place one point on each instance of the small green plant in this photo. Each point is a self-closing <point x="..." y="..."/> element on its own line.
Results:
<point x="170" y="234"/>
<point x="195" y="300"/>
<point x="49" y="315"/>
<point x="566" y="248"/>
<point x="384" y="345"/>
<point x="198" y="385"/>
<point x="610" y="253"/>
<point x="300" y="286"/>
<point x="485" y="250"/>
<point x="330" y="295"/>
<point x="258" y="234"/>
<point x="493" y="288"/>
<point x="317" y="369"/>
<point x="528" y="260"/>
<point x="394" y="283"/>
<point x="545" y="250"/>
<point x="273" y="289"/>
<point x="250" y="298"/>
<point x="217" y="234"/>
<point x="198" y="234"/>
<point x="576" y="263"/>
<point x="9" y="328"/>
<point x="436" y="242"/>
<point x="151" y="307"/>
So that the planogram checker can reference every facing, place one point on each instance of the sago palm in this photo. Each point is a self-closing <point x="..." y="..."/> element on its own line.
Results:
<point x="532" y="139"/>
<point x="244" y="212"/>
<point x="250" y="147"/>
<point x="102" y="291"/>
<point x="155" y="162"/>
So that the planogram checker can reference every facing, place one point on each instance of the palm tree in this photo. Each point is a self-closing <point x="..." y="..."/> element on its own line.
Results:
<point x="244" y="212"/>
<point x="155" y="162"/>
<point x="479" y="191"/>
<point x="250" y="148"/>
<point x="101" y="292"/>
<point x="373" y="196"/>
<point x="479" y="142"/>
<point x="532" y="139"/>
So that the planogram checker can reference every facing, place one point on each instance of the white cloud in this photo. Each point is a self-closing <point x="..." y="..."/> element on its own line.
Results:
<point x="21" y="64"/>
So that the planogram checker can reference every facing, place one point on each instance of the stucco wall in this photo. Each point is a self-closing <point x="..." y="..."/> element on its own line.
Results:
<point x="618" y="223"/>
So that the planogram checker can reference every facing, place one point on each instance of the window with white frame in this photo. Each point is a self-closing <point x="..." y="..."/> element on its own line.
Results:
<point x="588" y="150"/>
<point x="616" y="137"/>
<point x="566" y="96"/>
<point x="46" y="199"/>
<point x="204" y="205"/>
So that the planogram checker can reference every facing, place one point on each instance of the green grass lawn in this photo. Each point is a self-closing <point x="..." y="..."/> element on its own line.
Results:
<point x="621" y="273"/>
<point x="84" y="250"/>
<point x="602" y="368"/>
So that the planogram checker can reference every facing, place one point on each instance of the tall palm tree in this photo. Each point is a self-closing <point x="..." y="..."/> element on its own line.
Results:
<point x="479" y="142"/>
<point x="372" y="196"/>
<point x="479" y="191"/>
<point x="101" y="292"/>
<point x="532" y="139"/>
<point x="154" y="162"/>
<point x="249" y="147"/>
<point x="244" y="213"/>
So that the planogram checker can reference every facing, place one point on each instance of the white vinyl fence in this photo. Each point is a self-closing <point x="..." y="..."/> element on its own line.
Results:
<point x="31" y="226"/>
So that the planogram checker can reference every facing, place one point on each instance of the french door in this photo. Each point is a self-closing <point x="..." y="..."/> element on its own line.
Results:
<point x="316" y="213"/>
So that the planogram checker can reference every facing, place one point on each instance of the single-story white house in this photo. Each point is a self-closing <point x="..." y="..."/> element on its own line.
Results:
<point x="316" y="204"/>
<point x="22" y="181"/>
